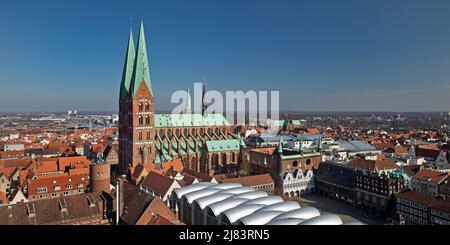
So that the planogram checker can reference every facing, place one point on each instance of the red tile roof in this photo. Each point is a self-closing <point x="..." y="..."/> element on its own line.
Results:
<point x="433" y="176"/>
<point x="441" y="205"/>
<point x="373" y="164"/>
<point x="8" y="171"/>
<point x="415" y="196"/>
<point x="253" y="180"/>
<point x="176" y="164"/>
<point x="158" y="219"/>
<point x="157" y="213"/>
<point x="157" y="182"/>
<point x="50" y="182"/>
<point x="200" y="176"/>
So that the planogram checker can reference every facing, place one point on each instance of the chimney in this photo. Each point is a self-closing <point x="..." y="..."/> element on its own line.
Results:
<point x="119" y="197"/>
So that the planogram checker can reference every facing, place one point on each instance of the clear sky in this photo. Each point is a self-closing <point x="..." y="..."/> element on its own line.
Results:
<point x="364" y="55"/>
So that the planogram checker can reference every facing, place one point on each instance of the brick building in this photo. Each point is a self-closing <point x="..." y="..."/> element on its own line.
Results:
<point x="336" y="180"/>
<point x="85" y="209"/>
<point x="377" y="191"/>
<point x="421" y="209"/>
<point x="148" y="138"/>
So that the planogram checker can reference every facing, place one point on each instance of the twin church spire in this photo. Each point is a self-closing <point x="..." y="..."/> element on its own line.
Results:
<point x="136" y="69"/>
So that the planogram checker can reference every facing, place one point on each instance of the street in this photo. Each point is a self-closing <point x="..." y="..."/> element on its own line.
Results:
<point x="328" y="205"/>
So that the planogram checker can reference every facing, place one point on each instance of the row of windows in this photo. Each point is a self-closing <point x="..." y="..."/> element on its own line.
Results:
<point x="414" y="219"/>
<point x="373" y="189"/>
<point x="263" y="187"/>
<point x="301" y="184"/>
<point x="413" y="211"/>
<point x="412" y="204"/>
<point x="147" y="134"/>
<point x="440" y="221"/>
<point x="142" y="107"/>
<point x="141" y="120"/>
<point x="439" y="213"/>
<point x="58" y="194"/>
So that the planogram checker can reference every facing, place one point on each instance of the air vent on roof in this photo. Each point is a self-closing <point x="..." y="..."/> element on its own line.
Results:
<point x="91" y="201"/>
<point x="31" y="211"/>
<point x="62" y="205"/>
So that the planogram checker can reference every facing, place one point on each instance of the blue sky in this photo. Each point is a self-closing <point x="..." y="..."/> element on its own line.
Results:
<point x="362" y="55"/>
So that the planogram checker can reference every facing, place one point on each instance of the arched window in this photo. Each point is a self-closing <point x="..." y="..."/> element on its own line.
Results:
<point x="224" y="158"/>
<point x="147" y="107"/>
<point x="308" y="161"/>
<point x="140" y="120"/>
<point x="148" y="135"/>
<point x="147" y="120"/>
<point x="140" y="135"/>
<point x="140" y="107"/>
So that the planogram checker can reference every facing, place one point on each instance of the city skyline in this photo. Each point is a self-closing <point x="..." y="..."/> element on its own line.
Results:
<point x="377" y="56"/>
<point x="223" y="114"/>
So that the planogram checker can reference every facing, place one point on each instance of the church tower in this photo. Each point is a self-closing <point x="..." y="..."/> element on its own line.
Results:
<point x="136" y="108"/>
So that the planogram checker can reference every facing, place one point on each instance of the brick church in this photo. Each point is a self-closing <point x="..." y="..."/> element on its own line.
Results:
<point x="204" y="142"/>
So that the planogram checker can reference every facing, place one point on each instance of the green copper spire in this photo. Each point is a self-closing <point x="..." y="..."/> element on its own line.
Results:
<point x="241" y="142"/>
<point x="141" y="72"/>
<point x="127" y="67"/>
<point x="280" y="145"/>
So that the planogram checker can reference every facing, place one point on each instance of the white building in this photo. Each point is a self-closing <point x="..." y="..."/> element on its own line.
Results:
<point x="345" y="150"/>
<point x="298" y="182"/>
<point x="14" y="147"/>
